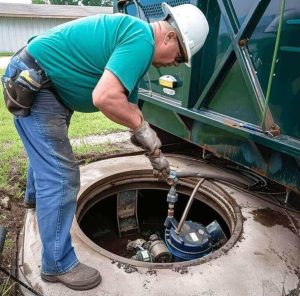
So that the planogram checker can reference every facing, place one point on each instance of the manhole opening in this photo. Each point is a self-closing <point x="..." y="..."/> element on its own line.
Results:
<point x="99" y="220"/>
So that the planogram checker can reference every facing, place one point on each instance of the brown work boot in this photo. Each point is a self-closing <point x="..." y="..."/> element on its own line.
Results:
<point x="81" y="277"/>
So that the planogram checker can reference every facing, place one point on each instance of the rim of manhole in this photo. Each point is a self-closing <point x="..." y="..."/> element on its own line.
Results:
<point x="210" y="194"/>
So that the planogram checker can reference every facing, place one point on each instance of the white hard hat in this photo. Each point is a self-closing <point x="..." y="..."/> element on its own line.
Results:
<point x="190" y="24"/>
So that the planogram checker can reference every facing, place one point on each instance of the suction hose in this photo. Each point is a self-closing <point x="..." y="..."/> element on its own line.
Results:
<point x="211" y="176"/>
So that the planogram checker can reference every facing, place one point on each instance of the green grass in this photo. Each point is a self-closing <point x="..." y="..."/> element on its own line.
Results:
<point x="12" y="156"/>
<point x="6" y="54"/>
<point x="13" y="160"/>
<point x="6" y="287"/>
<point x="86" y="124"/>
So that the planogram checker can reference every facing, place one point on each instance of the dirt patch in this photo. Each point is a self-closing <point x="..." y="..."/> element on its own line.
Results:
<point x="128" y="268"/>
<point x="152" y="272"/>
<point x="12" y="220"/>
<point x="181" y="270"/>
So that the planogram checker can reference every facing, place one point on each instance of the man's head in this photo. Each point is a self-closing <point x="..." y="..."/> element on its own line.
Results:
<point x="180" y="35"/>
<point x="167" y="49"/>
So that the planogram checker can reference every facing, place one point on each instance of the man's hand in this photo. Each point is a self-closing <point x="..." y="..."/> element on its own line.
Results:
<point x="147" y="137"/>
<point x="159" y="163"/>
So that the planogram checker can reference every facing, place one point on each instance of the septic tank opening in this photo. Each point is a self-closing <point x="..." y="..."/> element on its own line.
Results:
<point x="100" y="222"/>
<point x="99" y="217"/>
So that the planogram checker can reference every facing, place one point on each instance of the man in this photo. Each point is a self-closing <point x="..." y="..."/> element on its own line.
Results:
<point x="86" y="65"/>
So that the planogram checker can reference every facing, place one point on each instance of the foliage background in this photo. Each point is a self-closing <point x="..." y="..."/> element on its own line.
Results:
<point x="75" y="2"/>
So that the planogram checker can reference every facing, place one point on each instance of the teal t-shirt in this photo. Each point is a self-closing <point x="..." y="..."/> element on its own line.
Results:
<point x="74" y="55"/>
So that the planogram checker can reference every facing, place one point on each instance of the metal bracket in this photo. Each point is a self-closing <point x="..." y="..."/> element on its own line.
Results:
<point x="127" y="212"/>
<point x="274" y="131"/>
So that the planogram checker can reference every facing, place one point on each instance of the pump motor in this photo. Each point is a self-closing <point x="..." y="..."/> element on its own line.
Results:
<point x="194" y="241"/>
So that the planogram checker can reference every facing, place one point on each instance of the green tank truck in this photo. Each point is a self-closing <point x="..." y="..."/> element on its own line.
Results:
<point x="241" y="97"/>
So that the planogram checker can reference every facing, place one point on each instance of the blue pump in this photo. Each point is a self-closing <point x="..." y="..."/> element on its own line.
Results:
<point x="194" y="241"/>
<point x="189" y="240"/>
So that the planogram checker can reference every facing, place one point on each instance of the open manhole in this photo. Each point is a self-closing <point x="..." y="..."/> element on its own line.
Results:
<point x="100" y="220"/>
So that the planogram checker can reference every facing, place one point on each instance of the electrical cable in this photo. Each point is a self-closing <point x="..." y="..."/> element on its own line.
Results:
<point x="3" y="233"/>
<point x="229" y="181"/>
<point x="20" y="282"/>
<point x="255" y="177"/>
<point x="249" y="174"/>
<point x="271" y="193"/>
<point x="252" y="189"/>
<point x="288" y="215"/>
<point x="258" y="196"/>
<point x="274" y="58"/>
<point x="292" y="222"/>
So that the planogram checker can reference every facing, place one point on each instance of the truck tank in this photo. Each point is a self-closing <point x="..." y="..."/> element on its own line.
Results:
<point x="240" y="99"/>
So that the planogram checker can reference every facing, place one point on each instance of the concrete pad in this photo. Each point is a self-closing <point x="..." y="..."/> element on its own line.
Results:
<point x="263" y="261"/>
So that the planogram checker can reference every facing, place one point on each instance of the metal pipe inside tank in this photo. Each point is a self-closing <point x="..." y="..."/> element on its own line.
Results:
<point x="188" y="206"/>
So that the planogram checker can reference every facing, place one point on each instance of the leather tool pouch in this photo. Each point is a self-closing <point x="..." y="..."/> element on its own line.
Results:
<point x="18" y="99"/>
<point x="20" y="87"/>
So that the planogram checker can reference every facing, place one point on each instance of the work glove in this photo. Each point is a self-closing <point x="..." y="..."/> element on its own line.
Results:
<point x="160" y="164"/>
<point x="146" y="137"/>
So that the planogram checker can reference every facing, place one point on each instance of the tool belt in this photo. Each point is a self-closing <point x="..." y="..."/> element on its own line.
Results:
<point x="20" y="87"/>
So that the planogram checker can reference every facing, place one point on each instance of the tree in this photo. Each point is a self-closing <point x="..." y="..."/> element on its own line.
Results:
<point x="39" y="2"/>
<point x="96" y="2"/>
<point x="64" y="2"/>
<point x="91" y="2"/>
<point x="75" y="2"/>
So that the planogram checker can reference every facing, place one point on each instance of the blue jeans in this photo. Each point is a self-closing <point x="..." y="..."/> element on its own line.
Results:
<point x="53" y="178"/>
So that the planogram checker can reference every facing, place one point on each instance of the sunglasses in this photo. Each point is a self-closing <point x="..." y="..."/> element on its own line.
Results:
<point x="181" y="58"/>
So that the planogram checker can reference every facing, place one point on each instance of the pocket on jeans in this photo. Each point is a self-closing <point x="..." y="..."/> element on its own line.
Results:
<point x="18" y="99"/>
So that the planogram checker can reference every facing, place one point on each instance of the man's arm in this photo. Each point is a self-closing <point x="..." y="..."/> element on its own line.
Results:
<point x="110" y="97"/>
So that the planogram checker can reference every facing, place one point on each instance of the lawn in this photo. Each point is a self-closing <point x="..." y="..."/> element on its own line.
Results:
<point x="6" y="54"/>
<point x="13" y="160"/>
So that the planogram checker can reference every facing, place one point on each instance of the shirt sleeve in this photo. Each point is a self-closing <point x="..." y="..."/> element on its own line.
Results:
<point x="129" y="62"/>
<point x="133" y="97"/>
